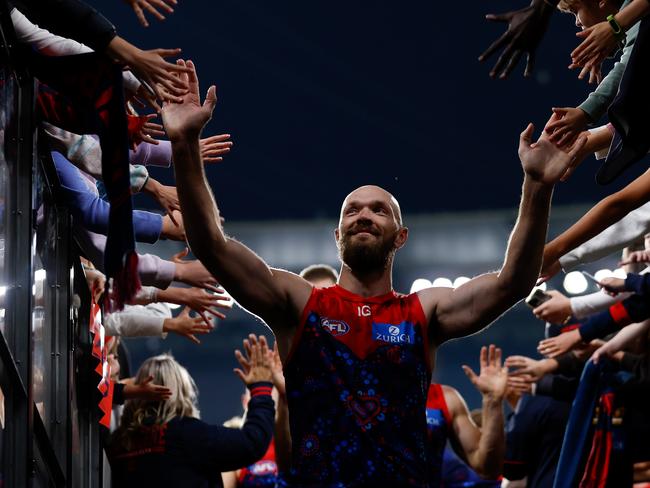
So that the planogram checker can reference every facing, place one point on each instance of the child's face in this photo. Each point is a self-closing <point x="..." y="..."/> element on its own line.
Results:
<point x="588" y="13"/>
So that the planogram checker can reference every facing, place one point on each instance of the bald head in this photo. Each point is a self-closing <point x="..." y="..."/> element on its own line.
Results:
<point x="369" y="194"/>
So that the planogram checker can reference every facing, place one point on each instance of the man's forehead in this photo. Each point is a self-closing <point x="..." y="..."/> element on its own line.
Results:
<point x="371" y="193"/>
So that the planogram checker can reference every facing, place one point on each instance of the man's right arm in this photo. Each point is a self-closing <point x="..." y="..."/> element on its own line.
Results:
<point x="275" y="295"/>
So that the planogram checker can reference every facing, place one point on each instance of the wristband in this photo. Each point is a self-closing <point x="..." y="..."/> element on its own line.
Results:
<point x="619" y="33"/>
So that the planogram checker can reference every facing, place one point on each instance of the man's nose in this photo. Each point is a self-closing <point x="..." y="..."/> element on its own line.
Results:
<point x="365" y="214"/>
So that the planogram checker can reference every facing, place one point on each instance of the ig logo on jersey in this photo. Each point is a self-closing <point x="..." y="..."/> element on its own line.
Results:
<point x="334" y="327"/>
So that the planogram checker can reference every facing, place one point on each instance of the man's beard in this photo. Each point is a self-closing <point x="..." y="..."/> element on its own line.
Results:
<point x="366" y="257"/>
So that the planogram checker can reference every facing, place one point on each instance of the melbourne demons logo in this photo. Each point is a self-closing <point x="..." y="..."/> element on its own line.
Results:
<point x="334" y="327"/>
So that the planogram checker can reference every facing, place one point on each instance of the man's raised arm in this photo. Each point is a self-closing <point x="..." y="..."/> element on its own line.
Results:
<point x="276" y="296"/>
<point x="474" y="305"/>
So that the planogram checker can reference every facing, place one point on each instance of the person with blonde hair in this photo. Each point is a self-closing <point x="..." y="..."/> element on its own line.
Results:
<point x="164" y="443"/>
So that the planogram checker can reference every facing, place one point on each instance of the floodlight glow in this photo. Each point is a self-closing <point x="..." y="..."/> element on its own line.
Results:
<point x="620" y="273"/>
<point x="173" y="306"/>
<point x="3" y="291"/>
<point x="460" y="281"/>
<point x="420" y="284"/>
<point x="603" y="273"/>
<point x="443" y="282"/>
<point x="40" y="275"/>
<point x="575" y="283"/>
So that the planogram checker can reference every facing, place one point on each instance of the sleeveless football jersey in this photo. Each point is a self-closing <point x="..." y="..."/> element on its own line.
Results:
<point x="357" y="377"/>
<point x="261" y="474"/>
<point x="438" y="425"/>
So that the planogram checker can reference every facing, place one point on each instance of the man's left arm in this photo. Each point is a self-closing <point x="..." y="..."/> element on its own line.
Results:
<point x="474" y="305"/>
<point x="483" y="448"/>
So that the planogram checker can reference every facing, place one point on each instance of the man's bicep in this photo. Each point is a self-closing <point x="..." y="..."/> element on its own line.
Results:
<point x="270" y="293"/>
<point x="458" y="312"/>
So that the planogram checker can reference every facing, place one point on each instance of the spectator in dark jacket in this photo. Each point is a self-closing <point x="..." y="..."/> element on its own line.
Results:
<point x="165" y="443"/>
<point x="534" y="434"/>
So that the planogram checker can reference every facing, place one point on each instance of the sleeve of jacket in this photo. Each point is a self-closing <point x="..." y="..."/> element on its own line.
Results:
<point x="152" y="154"/>
<point x="138" y="321"/>
<point x="224" y="449"/>
<point x="559" y="387"/>
<point x="624" y="232"/>
<point x="598" y="101"/>
<point x="638" y="283"/>
<point x="153" y="270"/>
<point x="569" y="364"/>
<point x="633" y="309"/>
<point x="586" y="305"/>
<point x="92" y="212"/>
<point x="70" y="18"/>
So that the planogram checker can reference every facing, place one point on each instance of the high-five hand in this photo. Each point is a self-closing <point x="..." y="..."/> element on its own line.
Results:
<point x="187" y="119"/>
<point x="543" y="161"/>
<point x="493" y="376"/>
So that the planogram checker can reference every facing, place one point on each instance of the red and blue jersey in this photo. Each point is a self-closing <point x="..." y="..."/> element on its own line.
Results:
<point x="357" y="377"/>
<point x="438" y="425"/>
<point x="262" y="473"/>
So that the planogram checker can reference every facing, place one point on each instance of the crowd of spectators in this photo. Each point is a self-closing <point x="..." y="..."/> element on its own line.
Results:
<point x="575" y="417"/>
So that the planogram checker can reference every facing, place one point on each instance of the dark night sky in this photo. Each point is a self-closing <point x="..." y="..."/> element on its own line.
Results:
<point x="321" y="97"/>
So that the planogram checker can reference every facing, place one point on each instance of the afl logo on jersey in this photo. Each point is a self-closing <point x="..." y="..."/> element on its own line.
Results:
<point x="334" y="327"/>
<point x="263" y="468"/>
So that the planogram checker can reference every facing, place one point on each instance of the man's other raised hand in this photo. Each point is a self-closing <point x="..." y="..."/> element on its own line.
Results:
<point x="187" y="118"/>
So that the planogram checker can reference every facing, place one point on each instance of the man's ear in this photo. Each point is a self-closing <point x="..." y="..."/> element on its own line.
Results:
<point x="336" y="234"/>
<point x="402" y="237"/>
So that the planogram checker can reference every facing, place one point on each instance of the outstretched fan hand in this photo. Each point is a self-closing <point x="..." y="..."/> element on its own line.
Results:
<point x="526" y="28"/>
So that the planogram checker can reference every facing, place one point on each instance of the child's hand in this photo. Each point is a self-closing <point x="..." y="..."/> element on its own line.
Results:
<point x="554" y="346"/>
<point x="599" y="42"/>
<point x="568" y="126"/>
<point x="595" y="75"/>
<point x="636" y="257"/>
<point x="147" y="391"/>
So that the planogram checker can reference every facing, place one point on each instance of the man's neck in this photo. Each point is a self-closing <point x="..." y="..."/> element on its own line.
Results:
<point x="367" y="285"/>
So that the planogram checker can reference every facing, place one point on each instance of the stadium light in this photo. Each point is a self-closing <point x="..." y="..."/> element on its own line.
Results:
<point x="575" y="283"/>
<point x="443" y="282"/>
<point x="420" y="284"/>
<point x="461" y="280"/>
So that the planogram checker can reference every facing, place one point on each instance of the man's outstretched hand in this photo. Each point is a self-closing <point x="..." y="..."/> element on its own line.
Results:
<point x="187" y="118"/>
<point x="526" y="27"/>
<point x="543" y="161"/>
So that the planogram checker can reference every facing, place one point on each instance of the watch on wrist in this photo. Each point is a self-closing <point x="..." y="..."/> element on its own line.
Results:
<point x="619" y="33"/>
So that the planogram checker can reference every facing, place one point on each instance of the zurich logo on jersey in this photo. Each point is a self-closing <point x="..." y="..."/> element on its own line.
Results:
<point x="403" y="333"/>
<point x="334" y="327"/>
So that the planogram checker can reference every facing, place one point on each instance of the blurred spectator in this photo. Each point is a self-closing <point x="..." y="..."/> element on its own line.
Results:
<point x="165" y="444"/>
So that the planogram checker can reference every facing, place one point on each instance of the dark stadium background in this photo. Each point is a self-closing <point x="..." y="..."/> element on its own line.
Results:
<point x="321" y="97"/>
